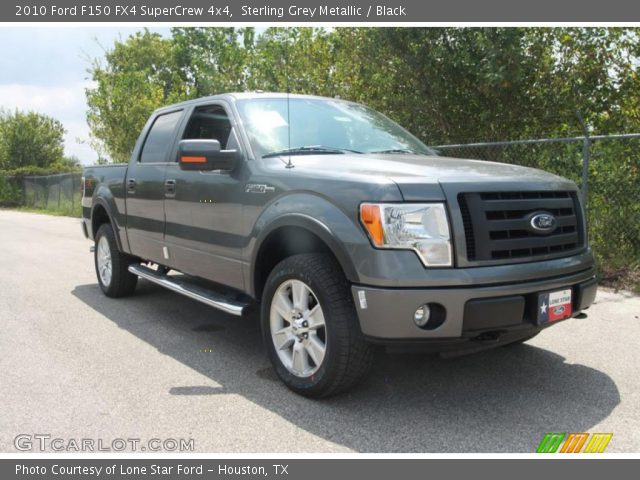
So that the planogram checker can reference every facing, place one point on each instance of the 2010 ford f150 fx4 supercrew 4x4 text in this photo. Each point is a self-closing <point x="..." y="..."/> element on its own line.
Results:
<point x="342" y="227"/>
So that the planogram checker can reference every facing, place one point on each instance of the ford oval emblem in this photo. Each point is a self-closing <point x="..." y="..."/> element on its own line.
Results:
<point x="559" y="310"/>
<point x="543" y="222"/>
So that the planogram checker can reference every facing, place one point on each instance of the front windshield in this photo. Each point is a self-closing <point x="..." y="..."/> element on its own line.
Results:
<point x="322" y="124"/>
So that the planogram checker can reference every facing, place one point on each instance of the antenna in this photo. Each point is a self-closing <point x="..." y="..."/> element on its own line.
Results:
<point x="286" y="72"/>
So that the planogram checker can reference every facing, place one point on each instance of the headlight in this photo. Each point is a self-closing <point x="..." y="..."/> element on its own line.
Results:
<point x="422" y="227"/>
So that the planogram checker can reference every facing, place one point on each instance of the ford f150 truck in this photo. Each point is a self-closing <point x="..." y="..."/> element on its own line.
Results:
<point x="344" y="229"/>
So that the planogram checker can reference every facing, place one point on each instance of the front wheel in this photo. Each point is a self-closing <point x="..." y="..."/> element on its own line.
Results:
<point x="310" y="327"/>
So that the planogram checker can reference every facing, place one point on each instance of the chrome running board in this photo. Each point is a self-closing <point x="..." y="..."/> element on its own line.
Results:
<point x="184" y="287"/>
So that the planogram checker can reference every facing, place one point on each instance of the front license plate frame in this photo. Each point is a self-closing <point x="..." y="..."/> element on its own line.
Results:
<point x="554" y="305"/>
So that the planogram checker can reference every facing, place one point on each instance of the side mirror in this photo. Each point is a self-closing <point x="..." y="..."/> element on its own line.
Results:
<point x="205" y="155"/>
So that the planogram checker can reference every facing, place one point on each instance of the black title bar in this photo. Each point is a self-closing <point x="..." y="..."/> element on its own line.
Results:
<point x="314" y="469"/>
<point x="305" y="11"/>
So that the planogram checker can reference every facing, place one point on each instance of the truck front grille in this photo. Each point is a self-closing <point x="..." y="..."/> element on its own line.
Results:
<point x="497" y="225"/>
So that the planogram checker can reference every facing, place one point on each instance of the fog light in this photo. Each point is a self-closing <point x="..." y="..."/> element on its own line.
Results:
<point x="422" y="315"/>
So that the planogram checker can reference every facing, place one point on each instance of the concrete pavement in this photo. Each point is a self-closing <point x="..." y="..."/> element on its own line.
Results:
<point x="76" y="364"/>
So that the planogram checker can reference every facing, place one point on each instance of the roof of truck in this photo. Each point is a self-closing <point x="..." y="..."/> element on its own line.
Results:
<point x="233" y="96"/>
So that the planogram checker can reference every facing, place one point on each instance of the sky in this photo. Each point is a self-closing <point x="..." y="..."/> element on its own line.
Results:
<point x="45" y="70"/>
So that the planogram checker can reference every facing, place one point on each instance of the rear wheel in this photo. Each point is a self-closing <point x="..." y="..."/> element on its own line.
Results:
<point x="310" y="327"/>
<point x="112" y="265"/>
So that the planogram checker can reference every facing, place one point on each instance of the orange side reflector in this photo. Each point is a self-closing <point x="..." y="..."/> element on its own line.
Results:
<point x="193" y="159"/>
<point x="370" y="216"/>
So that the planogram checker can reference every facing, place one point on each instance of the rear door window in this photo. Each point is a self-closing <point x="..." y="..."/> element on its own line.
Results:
<point x="159" y="141"/>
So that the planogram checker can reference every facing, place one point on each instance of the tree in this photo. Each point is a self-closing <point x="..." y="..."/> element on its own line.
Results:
<point x="30" y="139"/>
<point x="138" y="75"/>
<point x="147" y="71"/>
<point x="456" y="85"/>
<point x="446" y="85"/>
<point x="298" y="60"/>
<point x="212" y="60"/>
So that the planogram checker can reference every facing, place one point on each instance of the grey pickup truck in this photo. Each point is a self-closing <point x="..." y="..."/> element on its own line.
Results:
<point x="341" y="228"/>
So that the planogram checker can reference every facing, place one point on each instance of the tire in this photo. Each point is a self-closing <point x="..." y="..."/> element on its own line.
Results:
<point x="112" y="265"/>
<point x="346" y="358"/>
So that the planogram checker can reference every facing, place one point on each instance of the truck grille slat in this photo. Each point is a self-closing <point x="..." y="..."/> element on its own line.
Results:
<point x="534" y="242"/>
<point x="496" y="225"/>
<point x="521" y="205"/>
<point x="516" y="224"/>
<point x="468" y="226"/>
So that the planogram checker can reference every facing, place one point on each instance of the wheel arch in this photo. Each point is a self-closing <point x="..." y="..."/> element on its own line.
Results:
<point x="276" y="243"/>
<point x="101" y="214"/>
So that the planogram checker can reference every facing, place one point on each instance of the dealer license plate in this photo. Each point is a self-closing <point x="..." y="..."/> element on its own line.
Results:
<point x="554" y="306"/>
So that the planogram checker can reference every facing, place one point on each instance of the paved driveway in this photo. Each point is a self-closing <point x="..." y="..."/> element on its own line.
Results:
<point x="75" y="364"/>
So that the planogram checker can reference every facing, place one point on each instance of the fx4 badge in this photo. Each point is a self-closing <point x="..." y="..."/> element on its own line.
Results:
<point x="258" y="188"/>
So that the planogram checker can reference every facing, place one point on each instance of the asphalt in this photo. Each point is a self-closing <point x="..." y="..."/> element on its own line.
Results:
<point x="77" y="365"/>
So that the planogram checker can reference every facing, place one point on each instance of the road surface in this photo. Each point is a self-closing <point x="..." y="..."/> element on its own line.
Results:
<point x="77" y="365"/>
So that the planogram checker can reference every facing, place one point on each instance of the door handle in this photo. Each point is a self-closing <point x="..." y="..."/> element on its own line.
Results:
<point x="170" y="187"/>
<point x="131" y="185"/>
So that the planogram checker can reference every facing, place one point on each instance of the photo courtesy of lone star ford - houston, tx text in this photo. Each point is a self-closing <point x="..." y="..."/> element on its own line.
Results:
<point x="319" y="239"/>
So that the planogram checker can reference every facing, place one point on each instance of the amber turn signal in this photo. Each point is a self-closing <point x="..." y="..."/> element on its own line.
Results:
<point x="186" y="159"/>
<point x="371" y="219"/>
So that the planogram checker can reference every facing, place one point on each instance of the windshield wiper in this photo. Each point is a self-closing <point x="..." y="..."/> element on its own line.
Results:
<point x="395" y="150"/>
<point x="309" y="150"/>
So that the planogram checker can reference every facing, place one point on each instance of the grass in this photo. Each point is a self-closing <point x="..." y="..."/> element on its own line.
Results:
<point x="625" y="277"/>
<point x="62" y="211"/>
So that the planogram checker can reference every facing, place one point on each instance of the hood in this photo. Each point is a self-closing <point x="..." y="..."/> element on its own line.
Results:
<point x="410" y="172"/>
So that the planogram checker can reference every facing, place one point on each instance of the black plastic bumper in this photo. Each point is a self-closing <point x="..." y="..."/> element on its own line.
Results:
<point x="488" y="314"/>
<point x="387" y="315"/>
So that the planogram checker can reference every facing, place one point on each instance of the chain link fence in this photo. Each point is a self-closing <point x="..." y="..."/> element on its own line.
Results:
<point x="53" y="192"/>
<point x="58" y="193"/>
<point x="607" y="168"/>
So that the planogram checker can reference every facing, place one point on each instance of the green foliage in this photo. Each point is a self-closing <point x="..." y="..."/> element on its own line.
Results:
<point x="72" y="163"/>
<point x="11" y="192"/>
<point x="147" y="71"/>
<point x="459" y="85"/>
<point x="614" y="202"/>
<point x="446" y="85"/>
<point x="67" y="210"/>
<point x="212" y="60"/>
<point x="40" y="171"/>
<point x="298" y="60"/>
<point x="30" y="139"/>
<point x="139" y="76"/>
